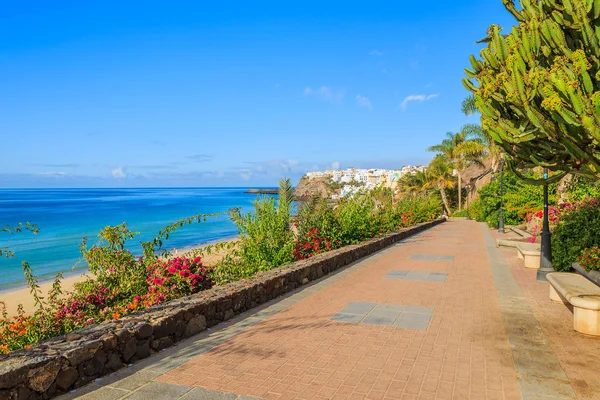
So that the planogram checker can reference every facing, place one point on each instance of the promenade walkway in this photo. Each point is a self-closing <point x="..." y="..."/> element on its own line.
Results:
<point x="442" y="315"/>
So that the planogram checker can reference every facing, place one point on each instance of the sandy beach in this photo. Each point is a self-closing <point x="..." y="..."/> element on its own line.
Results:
<point x="12" y="298"/>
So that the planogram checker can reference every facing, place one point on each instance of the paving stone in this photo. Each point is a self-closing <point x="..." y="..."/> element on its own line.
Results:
<point x="358" y="308"/>
<point x="387" y="314"/>
<point x="203" y="394"/>
<point x="406" y="321"/>
<point x="159" y="391"/>
<point x="389" y="307"/>
<point x="398" y="273"/>
<point x="431" y="257"/>
<point x="136" y="380"/>
<point x="374" y="320"/>
<point x="418" y="310"/>
<point x="415" y="317"/>
<point x="425" y="276"/>
<point x="353" y="318"/>
<point x="105" y="393"/>
<point x="416" y="276"/>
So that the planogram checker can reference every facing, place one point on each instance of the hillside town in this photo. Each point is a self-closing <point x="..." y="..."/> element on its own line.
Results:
<point x="353" y="180"/>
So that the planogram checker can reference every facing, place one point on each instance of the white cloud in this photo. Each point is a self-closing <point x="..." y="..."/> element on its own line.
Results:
<point x="417" y="97"/>
<point x="335" y="165"/>
<point x="118" y="173"/>
<point x="375" y="53"/>
<point x="363" y="101"/>
<point x="325" y="93"/>
<point x="55" y="174"/>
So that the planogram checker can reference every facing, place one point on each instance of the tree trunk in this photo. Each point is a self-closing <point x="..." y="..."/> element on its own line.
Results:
<point x="445" y="200"/>
<point x="459" y="192"/>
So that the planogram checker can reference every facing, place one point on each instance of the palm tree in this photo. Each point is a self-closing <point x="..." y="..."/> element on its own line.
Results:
<point x="286" y="199"/>
<point x="413" y="183"/>
<point x="461" y="149"/>
<point x="439" y="175"/>
<point x="493" y="150"/>
<point x="468" y="105"/>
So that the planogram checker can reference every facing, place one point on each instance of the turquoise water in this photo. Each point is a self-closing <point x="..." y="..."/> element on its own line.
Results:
<point x="65" y="216"/>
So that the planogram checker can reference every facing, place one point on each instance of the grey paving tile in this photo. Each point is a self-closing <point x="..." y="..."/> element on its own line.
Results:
<point x="381" y="313"/>
<point x="362" y="308"/>
<point x="431" y="257"/>
<point x="418" y="310"/>
<point x="416" y="276"/>
<point x="105" y="393"/>
<point x="203" y="394"/>
<point x="159" y="391"/>
<point x="445" y="275"/>
<point x="374" y="320"/>
<point x="398" y="273"/>
<point x="353" y="318"/>
<point x="389" y="307"/>
<point x="136" y="380"/>
<point x="415" y="317"/>
<point x="404" y="322"/>
<point x="545" y="388"/>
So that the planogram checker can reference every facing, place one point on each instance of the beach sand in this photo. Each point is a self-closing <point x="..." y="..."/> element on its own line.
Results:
<point x="12" y="298"/>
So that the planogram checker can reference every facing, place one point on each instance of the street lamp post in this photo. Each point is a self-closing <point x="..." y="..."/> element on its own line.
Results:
<point x="501" y="212"/>
<point x="546" y="248"/>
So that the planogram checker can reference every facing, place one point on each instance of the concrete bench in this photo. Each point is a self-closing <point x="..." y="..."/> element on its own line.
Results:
<point x="530" y="254"/>
<point x="583" y="295"/>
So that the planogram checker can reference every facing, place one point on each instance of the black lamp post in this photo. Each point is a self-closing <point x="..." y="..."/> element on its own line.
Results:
<point x="501" y="212"/>
<point x="546" y="248"/>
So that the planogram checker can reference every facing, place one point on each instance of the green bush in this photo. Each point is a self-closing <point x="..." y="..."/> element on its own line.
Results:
<point x="520" y="200"/>
<point x="577" y="230"/>
<point x="476" y="210"/>
<point x="580" y="188"/>
<point x="460" y="213"/>
<point x="265" y="242"/>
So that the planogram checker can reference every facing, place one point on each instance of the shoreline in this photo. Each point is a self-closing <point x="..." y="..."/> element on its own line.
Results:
<point x="19" y="294"/>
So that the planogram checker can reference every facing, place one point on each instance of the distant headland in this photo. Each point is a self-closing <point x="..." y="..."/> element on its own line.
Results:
<point x="262" y="191"/>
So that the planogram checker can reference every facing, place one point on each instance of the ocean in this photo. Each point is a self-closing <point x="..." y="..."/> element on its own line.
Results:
<point x="65" y="216"/>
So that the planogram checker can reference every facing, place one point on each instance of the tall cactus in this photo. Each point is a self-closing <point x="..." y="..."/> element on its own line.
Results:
<point x="538" y="87"/>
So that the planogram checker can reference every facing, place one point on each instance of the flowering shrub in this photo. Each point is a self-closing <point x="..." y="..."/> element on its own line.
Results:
<point x="520" y="200"/>
<point x="314" y="244"/>
<point x="175" y="278"/>
<point x="590" y="259"/>
<point x="535" y="221"/>
<point x="577" y="229"/>
<point x="122" y="284"/>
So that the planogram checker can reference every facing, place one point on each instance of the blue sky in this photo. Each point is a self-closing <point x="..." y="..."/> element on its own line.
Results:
<point x="195" y="93"/>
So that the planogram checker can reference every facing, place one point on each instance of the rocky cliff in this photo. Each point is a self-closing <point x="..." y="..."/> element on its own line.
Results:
<point x="313" y="187"/>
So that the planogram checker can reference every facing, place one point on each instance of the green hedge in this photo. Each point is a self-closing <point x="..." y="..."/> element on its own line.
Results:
<point x="577" y="230"/>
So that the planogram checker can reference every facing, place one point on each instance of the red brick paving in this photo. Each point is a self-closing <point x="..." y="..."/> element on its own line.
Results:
<point x="300" y="354"/>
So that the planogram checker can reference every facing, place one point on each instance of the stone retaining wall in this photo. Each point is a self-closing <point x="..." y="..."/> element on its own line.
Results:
<point x="63" y="363"/>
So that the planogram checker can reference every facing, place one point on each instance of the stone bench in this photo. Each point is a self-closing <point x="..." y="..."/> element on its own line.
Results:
<point x="583" y="295"/>
<point x="530" y="254"/>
